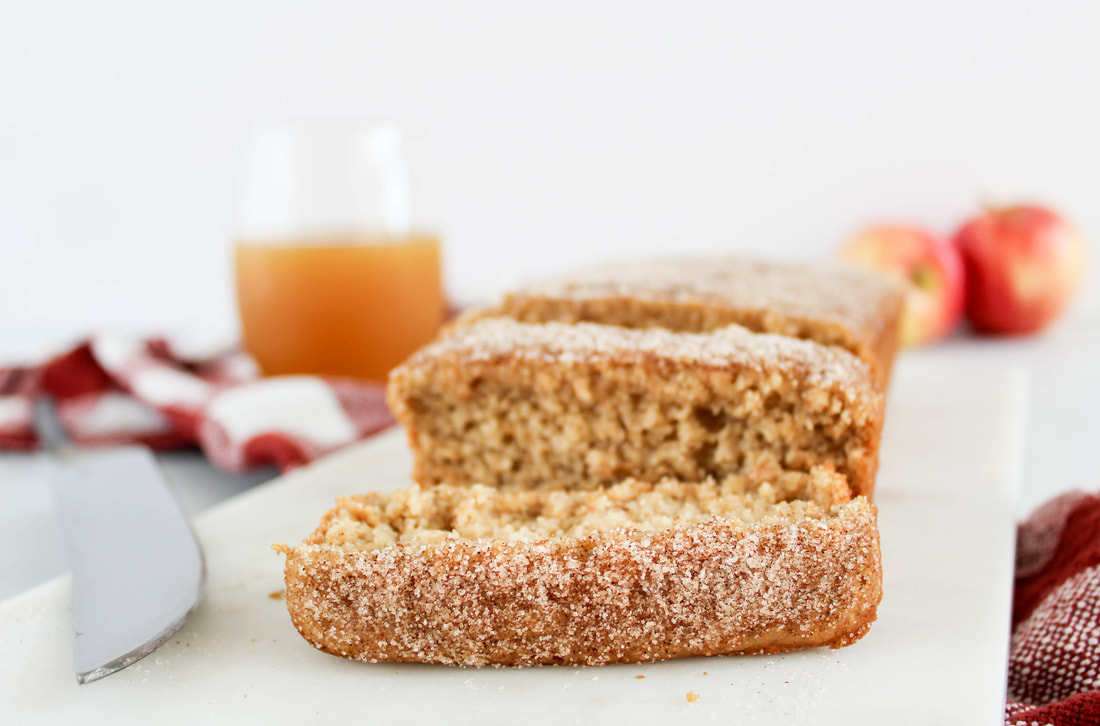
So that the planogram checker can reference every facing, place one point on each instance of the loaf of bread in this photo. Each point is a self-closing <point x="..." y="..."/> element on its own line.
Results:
<point x="830" y="303"/>
<point x="632" y="572"/>
<point x="500" y="402"/>
<point x="644" y="461"/>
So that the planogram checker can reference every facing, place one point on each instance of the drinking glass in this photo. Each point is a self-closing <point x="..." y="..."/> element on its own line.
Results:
<point x="337" y="271"/>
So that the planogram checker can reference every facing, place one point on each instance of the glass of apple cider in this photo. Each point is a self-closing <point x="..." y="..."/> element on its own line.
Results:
<point x="337" y="271"/>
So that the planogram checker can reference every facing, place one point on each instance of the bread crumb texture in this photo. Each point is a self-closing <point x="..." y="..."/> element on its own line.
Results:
<point x="501" y="403"/>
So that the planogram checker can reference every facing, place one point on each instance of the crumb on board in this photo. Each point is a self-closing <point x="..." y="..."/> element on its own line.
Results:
<point x="640" y="678"/>
<point x="277" y="594"/>
<point x="692" y="696"/>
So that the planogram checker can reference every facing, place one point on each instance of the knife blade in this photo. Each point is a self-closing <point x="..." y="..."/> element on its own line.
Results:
<point x="138" y="570"/>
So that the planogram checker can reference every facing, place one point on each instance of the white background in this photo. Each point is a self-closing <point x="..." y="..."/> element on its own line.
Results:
<point x="552" y="133"/>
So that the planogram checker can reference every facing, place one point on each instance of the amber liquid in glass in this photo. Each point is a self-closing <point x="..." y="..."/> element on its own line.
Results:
<point x="343" y="306"/>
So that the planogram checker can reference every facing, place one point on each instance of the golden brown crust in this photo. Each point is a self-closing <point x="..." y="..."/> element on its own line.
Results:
<point x="502" y="402"/>
<point x="715" y="587"/>
<point x="828" y="303"/>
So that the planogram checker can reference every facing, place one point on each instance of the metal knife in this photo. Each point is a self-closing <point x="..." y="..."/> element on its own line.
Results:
<point x="138" y="570"/>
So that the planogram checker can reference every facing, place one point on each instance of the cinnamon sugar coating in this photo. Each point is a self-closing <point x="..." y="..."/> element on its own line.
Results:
<point x="572" y="577"/>
<point x="501" y="402"/>
<point x="831" y="303"/>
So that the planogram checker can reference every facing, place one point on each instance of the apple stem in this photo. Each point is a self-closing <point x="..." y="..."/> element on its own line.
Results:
<point x="923" y="277"/>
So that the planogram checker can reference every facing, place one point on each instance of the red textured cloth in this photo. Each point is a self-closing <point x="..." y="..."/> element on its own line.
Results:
<point x="113" y="389"/>
<point x="1054" y="658"/>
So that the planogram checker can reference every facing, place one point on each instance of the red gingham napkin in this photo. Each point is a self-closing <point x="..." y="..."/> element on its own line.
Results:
<point x="1054" y="659"/>
<point x="113" y="389"/>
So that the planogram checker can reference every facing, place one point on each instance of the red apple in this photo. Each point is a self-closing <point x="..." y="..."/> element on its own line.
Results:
<point x="930" y="267"/>
<point x="1023" y="265"/>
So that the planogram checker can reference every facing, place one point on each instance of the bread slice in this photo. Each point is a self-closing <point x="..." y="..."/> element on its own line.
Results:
<point x="831" y="303"/>
<point x="634" y="572"/>
<point x="503" y="402"/>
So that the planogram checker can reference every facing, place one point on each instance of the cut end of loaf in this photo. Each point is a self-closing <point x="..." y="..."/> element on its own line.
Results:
<point x="502" y="403"/>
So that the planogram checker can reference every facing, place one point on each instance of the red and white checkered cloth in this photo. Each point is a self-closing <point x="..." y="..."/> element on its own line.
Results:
<point x="113" y="389"/>
<point x="1054" y="659"/>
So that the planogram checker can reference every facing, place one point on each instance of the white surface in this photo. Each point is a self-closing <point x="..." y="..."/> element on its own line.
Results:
<point x="553" y="133"/>
<point x="936" y="654"/>
<point x="1060" y="435"/>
